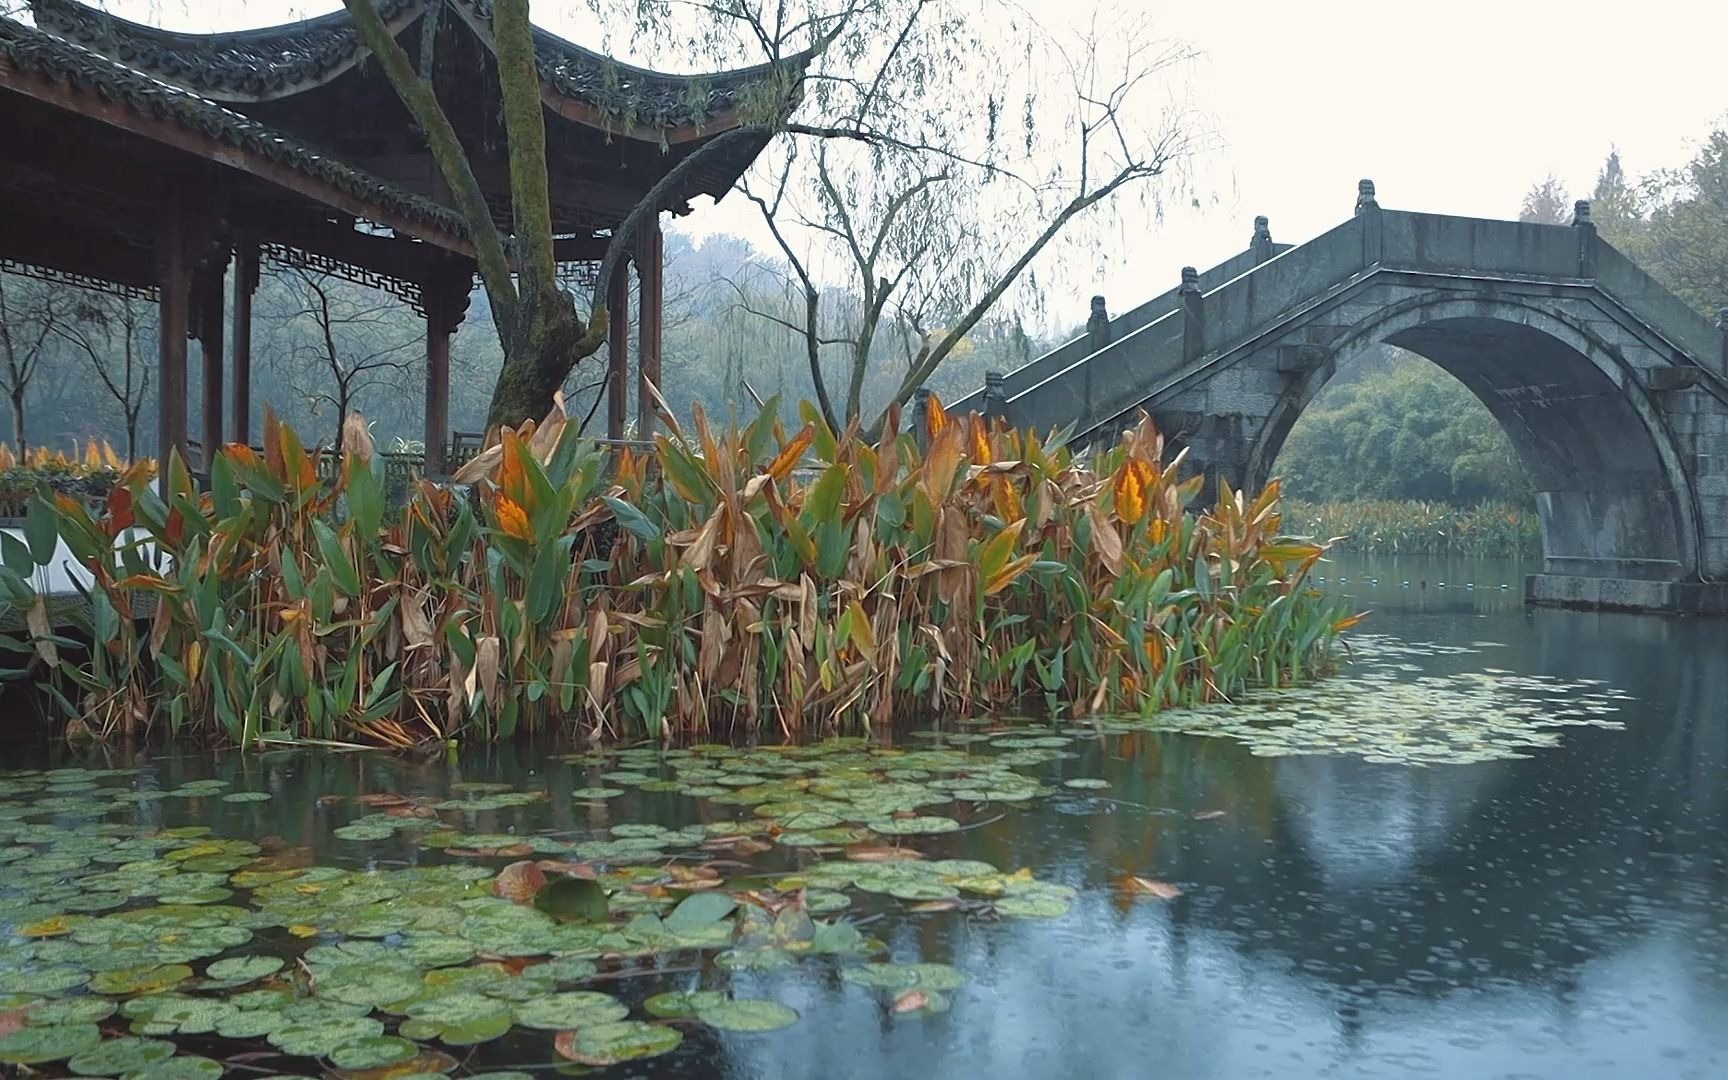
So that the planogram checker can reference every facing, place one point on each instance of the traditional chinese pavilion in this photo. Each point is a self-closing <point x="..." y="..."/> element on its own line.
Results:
<point x="148" y="161"/>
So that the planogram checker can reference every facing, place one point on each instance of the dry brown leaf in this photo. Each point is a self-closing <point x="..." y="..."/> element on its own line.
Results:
<point x="924" y="907"/>
<point x="881" y="853"/>
<point x="1160" y="890"/>
<point x="519" y="881"/>
<point x="911" y="1001"/>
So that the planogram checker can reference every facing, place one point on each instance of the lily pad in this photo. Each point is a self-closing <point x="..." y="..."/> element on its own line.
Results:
<point x="38" y="1045"/>
<point x="140" y="980"/>
<point x="748" y="1014"/>
<point x="682" y="1004"/>
<point x="572" y="898"/>
<point x="321" y="1038"/>
<point x="573" y="1009"/>
<point x="624" y="1040"/>
<point x="373" y="1052"/>
<point x="246" y="796"/>
<point x="914" y="826"/>
<point x="180" y="1068"/>
<point x="126" y="1054"/>
<point x="700" y="909"/>
<point x="905" y="976"/>
<point x="243" y="969"/>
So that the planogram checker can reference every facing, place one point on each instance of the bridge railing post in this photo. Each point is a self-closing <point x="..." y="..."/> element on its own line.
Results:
<point x="995" y="395"/>
<point x="919" y="424"/>
<point x="1193" y="316"/>
<point x="1098" y="325"/>
<point x="1368" y="210"/>
<point x="1260" y="244"/>
<point x="1586" y="238"/>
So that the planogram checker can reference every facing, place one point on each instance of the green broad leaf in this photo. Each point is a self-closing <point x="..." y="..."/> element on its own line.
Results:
<point x="15" y="554"/>
<point x="38" y="1045"/>
<point x="546" y="580"/>
<point x="905" y="976"/>
<point x="748" y="1014"/>
<point x="572" y="1009"/>
<point x="244" y="968"/>
<point x="322" y="1037"/>
<point x="914" y="826"/>
<point x="127" y="1055"/>
<point x="681" y="1004"/>
<point x="623" y="1040"/>
<point x="700" y="909"/>
<point x="180" y="1068"/>
<point x="572" y="899"/>
<point x="140" y="980"/>
<point x="41" y="529"/>
<point x="365" y="497"/>
<point x="336" y="560"/>
<point x="632" y="520"/>
<point x="373" y="1052"/>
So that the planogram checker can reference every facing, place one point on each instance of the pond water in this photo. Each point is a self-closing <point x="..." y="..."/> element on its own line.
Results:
<point x="1517" y="867"/>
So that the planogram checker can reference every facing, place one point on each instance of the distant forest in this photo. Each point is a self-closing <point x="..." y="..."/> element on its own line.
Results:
<point x="83" y="361"/>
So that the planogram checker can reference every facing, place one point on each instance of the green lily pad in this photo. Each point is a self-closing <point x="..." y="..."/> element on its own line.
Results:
<point x="572" y="898"/>
<point x="180" y="1068"/>
<point x="572" y="1009"/>
<point x="700" y="909"/>
<point x="681" y="1004"/>
<point x="246" y="796"/>
<point x="363" y="831"/>
<point x="905" y="976"/>
<point x="38" y="1045"/>
<point x="914" y="826"/>
<point x="748" y="1014"/>
<point x="140" y="980"/>
<point x="459" y="1018"/>
<point x="243" y="969"/>
<point x="319" y="1039"/>
<point x="1032" y="907"/>
<point x="373" y="1052"/>
<point x="1086" y="783"/>
<point x="624" y="1040"/>
<point x="596" y="793"/>
<point x="74" y="1010"/>
<point x="42" y="980"/>
<point x="126" y="1054"/>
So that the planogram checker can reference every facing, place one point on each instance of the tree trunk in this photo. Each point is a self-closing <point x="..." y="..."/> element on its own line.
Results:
<point x="525" y="387"/>
<point x="131" y="438"/>
<point x="17" y="397"/>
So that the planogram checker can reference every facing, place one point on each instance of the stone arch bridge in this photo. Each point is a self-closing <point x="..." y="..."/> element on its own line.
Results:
<point x="1612" y="391"/>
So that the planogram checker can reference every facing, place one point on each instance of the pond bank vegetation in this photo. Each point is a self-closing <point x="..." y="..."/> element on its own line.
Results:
<point x="731" y="579"/>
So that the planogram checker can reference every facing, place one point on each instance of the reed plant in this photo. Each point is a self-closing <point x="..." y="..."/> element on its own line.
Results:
<point x="1400" y="527"/>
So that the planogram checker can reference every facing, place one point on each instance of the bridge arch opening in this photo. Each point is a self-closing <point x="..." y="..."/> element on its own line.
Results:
<point x="1608" y="485"/>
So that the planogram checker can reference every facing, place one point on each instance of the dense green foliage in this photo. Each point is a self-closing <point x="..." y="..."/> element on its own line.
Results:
<point x="1399" y="428"/>
<point x="1420" y="528"/>
<point x="992" y="568"/>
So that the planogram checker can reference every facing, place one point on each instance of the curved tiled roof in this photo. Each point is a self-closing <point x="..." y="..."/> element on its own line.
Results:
<point x="43" y="56"/>
<point x="278" y="61"/>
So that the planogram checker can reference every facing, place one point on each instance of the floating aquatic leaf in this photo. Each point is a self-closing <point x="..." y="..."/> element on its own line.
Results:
<point x="246" y="797"/>
<point x="681" y="1004"/>
<point x="700" y="909"/>
<point x="1161" y="890"/>
<point x="624" y="1040"/>
<point x="905" y="976"/>
<point x="127" y="1054"/>
<point x="180" y="1068"/>
<point x="140" y="980"/>
<point x="920" y="1002"/>
<point x="373" y="1052"/>
<point x="39" y="1045"/>
<point x="1032" y="907"/>
<point x="320" y="1038"/>
<point x="459" y="1018"/>
<point x="74" y="1010"/>
<point x="572" y="898"/>
<point x="747" y="1014"/>
<point x="236" y="970"/>
<point x="573" y="1009"/>
<point x="1086" y="783"/>
<point x="519" y="881"/>
<point x="363" y="831"/>
<point x="42" y="980"/>
<point x="762" y="959"/>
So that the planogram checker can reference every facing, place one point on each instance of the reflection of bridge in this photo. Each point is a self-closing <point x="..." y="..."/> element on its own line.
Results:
<point x="1611" y="390"/>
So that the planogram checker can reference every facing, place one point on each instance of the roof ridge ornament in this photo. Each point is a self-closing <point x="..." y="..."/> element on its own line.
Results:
<point x="1365" y="199"/>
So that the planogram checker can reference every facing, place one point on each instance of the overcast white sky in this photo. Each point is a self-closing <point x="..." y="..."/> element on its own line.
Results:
<point x="1451" y="107"/>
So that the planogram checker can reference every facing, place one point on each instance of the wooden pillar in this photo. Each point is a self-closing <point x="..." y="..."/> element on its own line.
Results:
<point x="650" y="266"/>
<point x="209" y="333"/>
<point x="245" y="283"/>
<point x="618" y="351"/>
<point x="173" y="279"/>
<point x="445" y="301"/>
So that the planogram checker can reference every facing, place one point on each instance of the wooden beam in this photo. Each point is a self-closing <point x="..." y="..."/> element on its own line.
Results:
<point x="445" y="300"/>
<point x="618" y="351"/>
<point x="118" y="114"/>
<point x="245" y="283"/>
<point x="210" y="330"/>
<point x="173" y="278"/>
<point x="650" y="287"/>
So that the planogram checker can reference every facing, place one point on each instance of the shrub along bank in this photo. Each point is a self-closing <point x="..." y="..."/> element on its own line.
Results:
<point x="705" y="585"/>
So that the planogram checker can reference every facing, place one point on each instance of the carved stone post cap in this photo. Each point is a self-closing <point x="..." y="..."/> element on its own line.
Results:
<point x="1098" y="304"/>
<point x="1190" y="280"/>
<point x="1722" y="319"/>
<point x="1365" y="196"/>
<point x="1581" y="212"/>
<point x="995" y="378"/>
<point x="1262" y="227"/>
